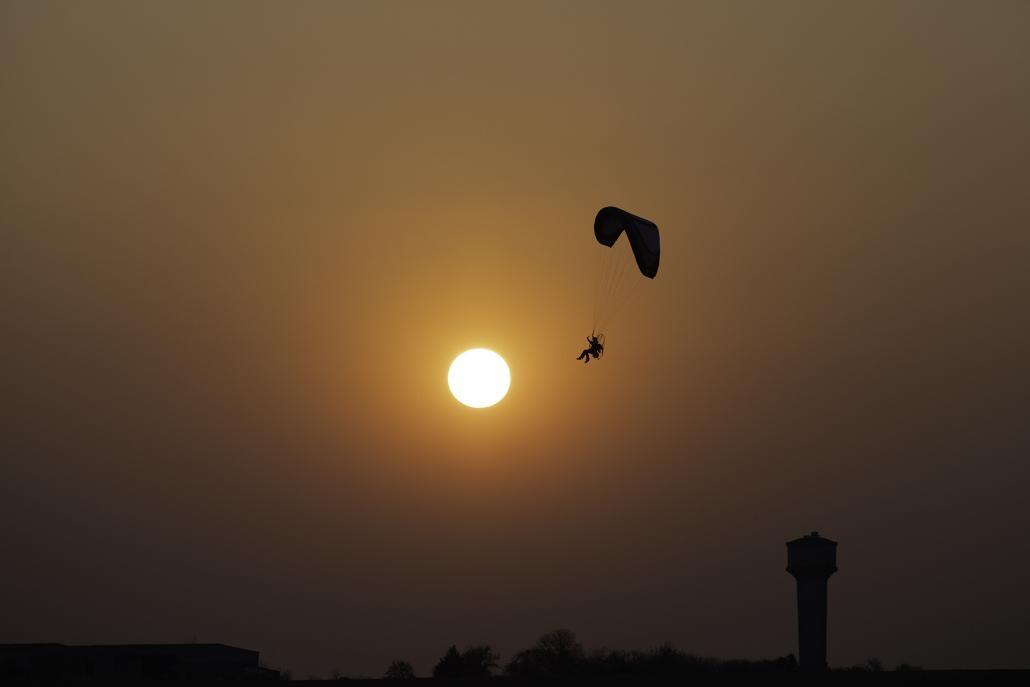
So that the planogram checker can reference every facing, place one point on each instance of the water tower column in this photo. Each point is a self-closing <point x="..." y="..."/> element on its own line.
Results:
<point x="811" y="560"/>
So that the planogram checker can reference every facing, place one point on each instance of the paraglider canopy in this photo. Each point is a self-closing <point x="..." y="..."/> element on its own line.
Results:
<point x="611" y="222"/>
<point x="616" y="276"/>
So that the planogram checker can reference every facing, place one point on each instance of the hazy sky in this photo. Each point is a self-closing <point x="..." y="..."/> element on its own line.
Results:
<point x="243" y="241"/>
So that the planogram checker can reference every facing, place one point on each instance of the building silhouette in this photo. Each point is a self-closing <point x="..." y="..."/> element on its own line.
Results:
<point x="811" y="560"/>
<point x="130" y="662"/>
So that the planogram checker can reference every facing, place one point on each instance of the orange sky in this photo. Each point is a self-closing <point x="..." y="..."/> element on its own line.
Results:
<point x="243" y="242"/>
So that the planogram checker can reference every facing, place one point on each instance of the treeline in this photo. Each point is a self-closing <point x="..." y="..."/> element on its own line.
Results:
<point x="559" y="654"/>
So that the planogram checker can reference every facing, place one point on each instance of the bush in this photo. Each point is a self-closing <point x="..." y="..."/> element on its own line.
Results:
<point x="399" y="670"/>
<point x="475" y="661"/>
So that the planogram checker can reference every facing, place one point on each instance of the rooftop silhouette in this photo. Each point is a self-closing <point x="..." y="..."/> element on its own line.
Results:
<point x="129" y="662"/>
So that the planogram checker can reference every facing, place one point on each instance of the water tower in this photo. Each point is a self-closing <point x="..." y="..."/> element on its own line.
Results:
<point x="811" y="560"/>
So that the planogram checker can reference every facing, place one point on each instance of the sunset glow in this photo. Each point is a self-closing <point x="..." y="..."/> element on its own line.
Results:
<point x="755" y="276"/>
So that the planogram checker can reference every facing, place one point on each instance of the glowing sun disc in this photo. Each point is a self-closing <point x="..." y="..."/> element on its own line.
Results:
<point x="479" y="378"/>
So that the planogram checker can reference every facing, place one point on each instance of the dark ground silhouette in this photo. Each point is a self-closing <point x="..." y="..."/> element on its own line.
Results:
<point x="555" y="657"/>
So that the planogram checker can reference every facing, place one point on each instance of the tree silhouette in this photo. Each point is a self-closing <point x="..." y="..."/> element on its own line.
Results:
<point x="475" y="661"/>
<point x="555" y="653"/>
<point x="449" y="665"/>
<point x="905" y="667"/>
<point x="399" y="670"/>
<point x="872" y="665"/>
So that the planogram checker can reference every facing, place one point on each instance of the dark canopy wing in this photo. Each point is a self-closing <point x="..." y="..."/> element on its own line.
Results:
<point x="642" y="234"/>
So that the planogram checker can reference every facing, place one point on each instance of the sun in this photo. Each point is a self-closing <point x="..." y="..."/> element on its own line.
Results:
<point x="479" y="378"/>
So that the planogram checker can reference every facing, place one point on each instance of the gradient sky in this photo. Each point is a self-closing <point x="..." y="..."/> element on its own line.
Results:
<point x="243" y="241"/>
